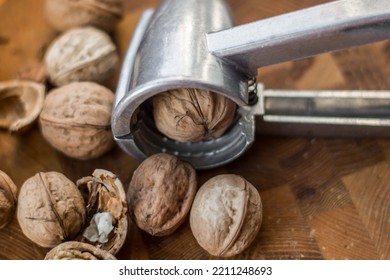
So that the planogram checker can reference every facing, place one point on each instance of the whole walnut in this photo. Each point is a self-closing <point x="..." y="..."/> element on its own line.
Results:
<point x="8" y="199"/>
<point x="50" y="209"/>
<point x="81" y="54"/>
<point x="74" y="250"/>
<point x="160" y="193"/>
<point x="226" y="215"/>
<point x="103" y="14"/>
<point x="76" y="120"/>
<point x="192" y="115"/>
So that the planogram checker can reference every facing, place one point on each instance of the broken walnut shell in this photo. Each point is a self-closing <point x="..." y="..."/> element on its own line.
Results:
<point x="76" y="120"/>
<point x="192" y="115"/>
<point x="50" y="209"/>
<point x="20" y="104"/>
<point x="226" y="215"/>
<point x="81" y="54"/>
<point x="104" y="195"/>
<point x="74" y="250"/>
<point x="160" y="193"/>
<point x="103" y="14"/>
<point x="8" y="199"/>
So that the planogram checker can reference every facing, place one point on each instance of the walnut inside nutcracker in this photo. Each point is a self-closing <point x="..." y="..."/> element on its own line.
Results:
<point x="50" y="209"/>
<point x="76" y="120"/>
<point x="160" y="193"/>
<point x="8" y="199"/>
<point x="192" y="115"/>
<point x="226" y="215"/>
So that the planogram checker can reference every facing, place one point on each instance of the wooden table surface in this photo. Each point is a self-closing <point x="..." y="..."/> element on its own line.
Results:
<point x="324" y="198"/>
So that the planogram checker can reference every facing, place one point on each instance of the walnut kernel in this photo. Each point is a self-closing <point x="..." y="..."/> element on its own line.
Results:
<point x="160" y="193"/>
<point x="81" y="54"/>
<point x="226" y="215"/>
<point x="50" y="209"/>
<point x="8" y="199"/>
<point x="76" y="120"/>
<point x="106" y="203"/>
<point x="192" y="115"/>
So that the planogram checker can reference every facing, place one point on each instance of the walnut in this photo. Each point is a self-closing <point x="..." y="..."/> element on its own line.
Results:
<point x="20" y="104"/>
<point x="76" y="120"/>
<point x="81" y="54"/>
<point x="226" y="215"/>
<point x="50" y="209"/>
<point x="8" y="199"/>
<point x="160" y="193"/>
<point x="103" y="14"/>
<point x="192" y="115"/>
<point x="106" y="204"/>
<point x="74" y="250"/>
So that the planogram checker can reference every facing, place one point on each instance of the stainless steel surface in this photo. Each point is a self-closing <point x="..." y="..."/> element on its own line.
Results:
<point x="170" y="50"/>
<point x="324" y="113"/>
<point x="324" y="28"/>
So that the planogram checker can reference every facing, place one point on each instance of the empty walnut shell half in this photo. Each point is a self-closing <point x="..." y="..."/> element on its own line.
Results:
<point x="192" y="115"/>
<point x="81" y="54"/>
<point x="160" y="193"/>
<point x="20" y="104"/>
<point x="226" y="215"/>
<point x="74" y="250"/>
<point x="107" y="222"/>
<point x="50" y="209"/>
<point x="8" y="199"/>
<point x="76" y="120"/>
<point x="104" y="14"/>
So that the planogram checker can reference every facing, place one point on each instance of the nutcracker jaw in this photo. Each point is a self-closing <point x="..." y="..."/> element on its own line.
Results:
<point x="194" y="44"/>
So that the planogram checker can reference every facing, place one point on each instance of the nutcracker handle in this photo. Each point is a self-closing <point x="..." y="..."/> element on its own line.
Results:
<point x="304" y="33"/>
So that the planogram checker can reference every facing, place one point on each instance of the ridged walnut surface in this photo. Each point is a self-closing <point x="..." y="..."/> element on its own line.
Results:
<point x="50" y="209"/>
<point x="226" y="215"/>
<point x="8" y="199"/>
<point x="192" y="115"/>
<point x="103" y="14"/>
<point x="160" y="193"/>
<point x="73" y="250"/>
<point x="76" y="120"/>
<point x="81" y="54"/>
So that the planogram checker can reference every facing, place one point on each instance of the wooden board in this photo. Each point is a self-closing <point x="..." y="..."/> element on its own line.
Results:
<point x="323" y="198"/>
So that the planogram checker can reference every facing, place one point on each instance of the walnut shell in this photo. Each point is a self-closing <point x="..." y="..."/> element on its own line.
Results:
<point x="160" y="193"/>
<point x="50" y="209"/>
<point x="103" y="14"/>
<point x="81" y="54"/>
<point x="8" y="199"/>
<point x="20" y="104"/>
<point x="104" y="193"/>
<point x="192" y="115"/>
<point x="74" y="250"/>
<point x="33" y="71"/>
<point x="76" y="120"/>
<point x="226" y="215"/>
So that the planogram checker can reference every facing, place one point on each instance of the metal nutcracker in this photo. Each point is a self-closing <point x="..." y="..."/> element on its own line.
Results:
<point x="195" y="44"/>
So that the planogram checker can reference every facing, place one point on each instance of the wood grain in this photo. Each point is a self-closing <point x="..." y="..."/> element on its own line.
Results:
<point x="323" y="198"/>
